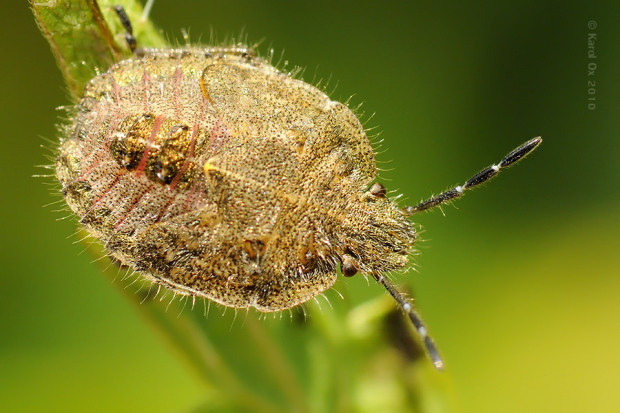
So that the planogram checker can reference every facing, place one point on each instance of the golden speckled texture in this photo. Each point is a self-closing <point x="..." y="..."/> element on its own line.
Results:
<point x="210" y="172"/>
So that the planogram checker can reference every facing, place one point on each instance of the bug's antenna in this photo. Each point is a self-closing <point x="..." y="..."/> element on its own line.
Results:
<point x="126" y="22"/>
<point x="479" y="178"/>
<point x="416" y="320"/>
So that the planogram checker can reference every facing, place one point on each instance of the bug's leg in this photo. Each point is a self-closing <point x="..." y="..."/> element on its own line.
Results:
<point x="129" y="37"/>
<point x="415" y="319"/>
<point x="479" y="178"/>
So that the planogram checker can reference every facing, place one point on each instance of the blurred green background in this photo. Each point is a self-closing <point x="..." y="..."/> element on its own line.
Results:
<point x="517" y="282"/>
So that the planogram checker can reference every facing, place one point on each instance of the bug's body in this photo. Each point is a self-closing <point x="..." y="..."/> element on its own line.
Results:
<point x="212" y="173"/>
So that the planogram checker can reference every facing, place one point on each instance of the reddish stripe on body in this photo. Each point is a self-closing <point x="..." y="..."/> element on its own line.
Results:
<point x="176" y="179"/>
<point x="131" y="207"/>
<point x="158" y="121"/>
<point x="178" y="78"/>
<point x="97" y="151"/>
<point x="219" y="134"/>
<point x="146" y="83"/>
<point x="189" y="196"/>
<point x="108" y="189"/>
<point x="100" y="152"/>
<point x="164" y="209"/>
<point x="118" y="91"/>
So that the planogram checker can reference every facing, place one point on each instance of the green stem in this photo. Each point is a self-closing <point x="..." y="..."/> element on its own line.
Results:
<point x="279" y="367"/>
<point x="187" y="339"/>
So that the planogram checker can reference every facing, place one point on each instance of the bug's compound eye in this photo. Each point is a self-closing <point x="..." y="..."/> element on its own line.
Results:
<point x="377" y="190"/>
<point x="349" y="266"/>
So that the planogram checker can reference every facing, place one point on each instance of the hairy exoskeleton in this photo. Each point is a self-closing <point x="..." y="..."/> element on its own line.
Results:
<point x="210" y="172"/>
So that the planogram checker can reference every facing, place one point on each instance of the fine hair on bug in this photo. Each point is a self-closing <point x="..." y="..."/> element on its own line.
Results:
<point x="210" y="172"/>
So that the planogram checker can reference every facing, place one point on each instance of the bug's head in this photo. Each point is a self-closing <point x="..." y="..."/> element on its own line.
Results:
<point x="374" y="234"/>
<point x="377" y="236"/>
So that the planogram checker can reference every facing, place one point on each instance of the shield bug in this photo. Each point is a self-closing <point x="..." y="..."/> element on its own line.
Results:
<point x="210" y="172"/>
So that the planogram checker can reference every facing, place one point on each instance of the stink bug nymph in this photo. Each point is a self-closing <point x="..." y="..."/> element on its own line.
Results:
<point x="213" y="174"/>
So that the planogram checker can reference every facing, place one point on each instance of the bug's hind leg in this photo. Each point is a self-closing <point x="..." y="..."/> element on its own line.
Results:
<point x="479" y="178"/>
<point x="126" y="22"/>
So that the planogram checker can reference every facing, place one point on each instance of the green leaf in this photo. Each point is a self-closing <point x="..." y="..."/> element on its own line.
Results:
<point x="342" y="358"/>
<point x="86" y="36"/>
